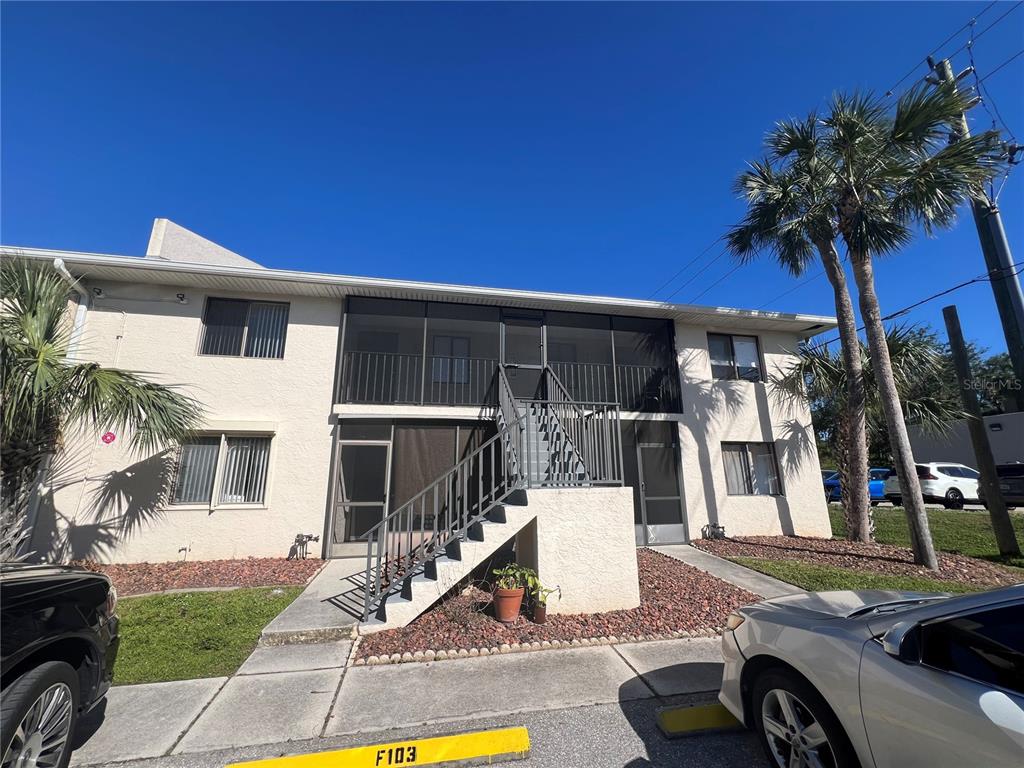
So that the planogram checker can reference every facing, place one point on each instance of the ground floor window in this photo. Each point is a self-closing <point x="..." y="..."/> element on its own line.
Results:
<point x="221" y="470"/>
<point x="751" y="469"/>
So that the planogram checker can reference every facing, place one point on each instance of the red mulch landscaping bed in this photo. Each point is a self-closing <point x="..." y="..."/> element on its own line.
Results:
<point x="137" y="578"/>
<point x="856" y="556"/>
<point x="673" y="597"/>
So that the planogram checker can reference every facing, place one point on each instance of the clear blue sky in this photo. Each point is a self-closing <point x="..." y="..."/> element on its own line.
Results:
<point x="571" y="147"/>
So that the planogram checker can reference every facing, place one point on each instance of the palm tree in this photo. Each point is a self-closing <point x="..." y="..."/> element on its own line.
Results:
<point x="48" y="396"/>
<point x="789" y="216"/>
<point x="821" y="376"/>
<point x="891" y="174"/>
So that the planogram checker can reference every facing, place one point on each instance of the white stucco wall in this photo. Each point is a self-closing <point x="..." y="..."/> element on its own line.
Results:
<point x="144" y="329"/>
<point x="582" y="542"/>
<point x="744" y="411"/>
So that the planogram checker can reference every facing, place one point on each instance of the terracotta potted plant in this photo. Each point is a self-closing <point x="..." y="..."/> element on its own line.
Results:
<point x="509" y="588"/>
<point x="540" y="601"/>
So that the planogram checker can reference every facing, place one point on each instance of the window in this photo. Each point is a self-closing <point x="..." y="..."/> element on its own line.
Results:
<point x="222" y="470"/>
<point x="734" y="357"/>
<point x="987" y="646"/>
<point x="240" y="328"/>
<point x="751" y="469"/>
<point x="450" y="362"/>
<point x="879" y="474"/>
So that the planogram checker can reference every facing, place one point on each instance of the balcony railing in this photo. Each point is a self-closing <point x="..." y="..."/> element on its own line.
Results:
<point x="386" y="377"/>
<point x="634" y="387"/>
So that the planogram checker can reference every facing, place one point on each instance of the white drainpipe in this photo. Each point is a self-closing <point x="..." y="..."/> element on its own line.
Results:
<point x="83" y="306"/>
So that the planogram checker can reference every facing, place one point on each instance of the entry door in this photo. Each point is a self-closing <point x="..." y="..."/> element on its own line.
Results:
<point x="661" y="505"/>
<point x="364" y="477"/>
<point x="523" y="353"/>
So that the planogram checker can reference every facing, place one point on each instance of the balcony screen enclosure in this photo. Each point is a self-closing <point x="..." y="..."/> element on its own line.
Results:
<point x="433" y="353"/>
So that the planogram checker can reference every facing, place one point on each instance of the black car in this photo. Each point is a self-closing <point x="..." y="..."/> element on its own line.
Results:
<point x="58" y="642"/>
<point x="1011" y="484"/>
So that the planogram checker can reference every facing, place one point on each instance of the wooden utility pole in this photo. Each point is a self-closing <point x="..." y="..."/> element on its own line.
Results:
<point x="1006" y="539"/>
<point x="998" y="259"/>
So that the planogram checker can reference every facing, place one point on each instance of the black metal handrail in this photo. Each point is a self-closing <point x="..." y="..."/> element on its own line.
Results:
<point x="396" y="546"/>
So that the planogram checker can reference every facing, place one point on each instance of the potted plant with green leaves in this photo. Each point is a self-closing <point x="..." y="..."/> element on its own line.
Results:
<point x="509" y="587"/>
<point x="540" y="595"/>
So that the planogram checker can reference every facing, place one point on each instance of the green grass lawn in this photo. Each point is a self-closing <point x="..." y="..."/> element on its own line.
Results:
<point x="963" y="532"/>
<point x="193" y="634"/>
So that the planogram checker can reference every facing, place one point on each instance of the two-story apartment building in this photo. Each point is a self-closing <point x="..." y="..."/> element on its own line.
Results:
<point x="333" y="401"/>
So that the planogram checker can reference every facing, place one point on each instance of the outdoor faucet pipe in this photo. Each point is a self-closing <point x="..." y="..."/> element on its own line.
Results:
<point x="83" y="305"/>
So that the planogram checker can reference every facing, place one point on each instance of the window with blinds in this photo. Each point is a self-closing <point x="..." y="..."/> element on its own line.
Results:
<point x="242" y="462"/>
<point x="751" y="469"/>
<point x="240" y="328"/>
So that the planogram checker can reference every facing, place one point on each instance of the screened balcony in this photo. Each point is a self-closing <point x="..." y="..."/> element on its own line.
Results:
<point x="430" y="353"/>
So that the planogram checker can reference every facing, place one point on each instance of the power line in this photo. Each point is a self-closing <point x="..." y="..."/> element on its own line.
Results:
<point x="1016" y="55"/>
<point x="684" y="268"/>
<point x="987" y="277"/>
<point x="982" y="92"/>
<point x="986" y="29"/>
<point x="697" y="274"/>
<point x="727" y="274"/>
<point x="939" y="46"/>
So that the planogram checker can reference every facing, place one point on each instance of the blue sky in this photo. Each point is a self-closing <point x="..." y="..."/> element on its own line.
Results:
<point x="572" y="147"/>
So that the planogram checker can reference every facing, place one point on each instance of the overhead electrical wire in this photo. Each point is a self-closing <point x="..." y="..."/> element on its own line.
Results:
<point x="987" y="277"/>
<point x="970" y="24"/>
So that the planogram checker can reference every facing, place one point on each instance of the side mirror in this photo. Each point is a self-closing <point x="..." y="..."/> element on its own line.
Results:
<point x="902" y="641"/>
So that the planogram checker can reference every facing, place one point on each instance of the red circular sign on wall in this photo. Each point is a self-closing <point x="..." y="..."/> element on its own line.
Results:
<point x="108" y="437"/>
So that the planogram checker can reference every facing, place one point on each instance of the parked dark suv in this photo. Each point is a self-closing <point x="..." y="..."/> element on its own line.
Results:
<point x="1011" y="483"/>
<point x="58" y="642"/>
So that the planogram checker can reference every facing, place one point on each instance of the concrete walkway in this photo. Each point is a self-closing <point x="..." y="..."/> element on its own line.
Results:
<point x="326" y="610"/>
<point x="303" y="692"/>
<point x="726" y="570"/>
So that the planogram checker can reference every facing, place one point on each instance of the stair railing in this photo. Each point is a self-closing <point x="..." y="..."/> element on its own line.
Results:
<point x="592" y="437"/>
<point x="509" y="415"/>
<point x="422" y="528"/>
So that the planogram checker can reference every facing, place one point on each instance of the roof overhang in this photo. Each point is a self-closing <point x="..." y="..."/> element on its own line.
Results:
<point x="131" y="269"/>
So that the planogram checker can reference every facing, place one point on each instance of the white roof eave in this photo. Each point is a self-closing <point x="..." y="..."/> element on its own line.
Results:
<point x="95" y="266"/>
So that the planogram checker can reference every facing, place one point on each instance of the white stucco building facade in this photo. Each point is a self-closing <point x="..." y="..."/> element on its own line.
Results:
<point x="335" y="399"/>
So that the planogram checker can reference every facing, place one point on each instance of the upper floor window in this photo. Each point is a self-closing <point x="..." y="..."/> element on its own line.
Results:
<point x="734" y="357"/>
<point x="222" y="470"/>
<point x="240" y="328"/>
<point x="751" y="469"/>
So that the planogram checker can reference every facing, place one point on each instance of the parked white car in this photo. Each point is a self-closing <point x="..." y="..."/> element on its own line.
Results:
<point x="880" y="679"/>
<point x="942" y="482"/>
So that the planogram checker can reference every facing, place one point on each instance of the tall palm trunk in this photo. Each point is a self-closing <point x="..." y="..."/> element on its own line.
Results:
<point x="899" y="441"/>
<point x="855" y="493"/>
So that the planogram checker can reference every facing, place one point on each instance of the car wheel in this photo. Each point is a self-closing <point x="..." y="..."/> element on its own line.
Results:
<point x="953" y="499"/>
<point x="796" y="727"/>
<point x="38" y="716"/>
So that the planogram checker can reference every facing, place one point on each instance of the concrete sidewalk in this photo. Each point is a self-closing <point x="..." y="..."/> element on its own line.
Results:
<point x="286" y="693"/>
<point x="726" y="570"/>
<point x="328" y="608"/>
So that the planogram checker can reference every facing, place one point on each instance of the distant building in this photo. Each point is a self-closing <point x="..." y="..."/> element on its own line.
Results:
<point x="1005" y="434"/>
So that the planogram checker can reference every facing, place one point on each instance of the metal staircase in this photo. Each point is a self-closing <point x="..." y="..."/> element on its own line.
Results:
<point x="426" y="546"/>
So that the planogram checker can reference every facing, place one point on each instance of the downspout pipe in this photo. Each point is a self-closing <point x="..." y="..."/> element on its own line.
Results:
<point x="83" y="306"/>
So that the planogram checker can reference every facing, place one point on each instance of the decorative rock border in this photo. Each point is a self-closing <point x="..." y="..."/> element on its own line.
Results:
<point x="542" y="645"/>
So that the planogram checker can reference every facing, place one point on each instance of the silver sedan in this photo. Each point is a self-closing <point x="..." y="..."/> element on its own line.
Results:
<point x="881" y="679"/>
